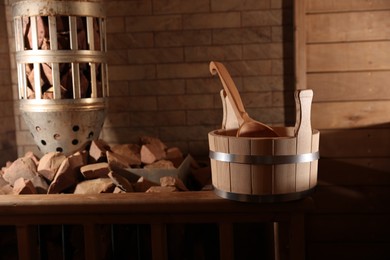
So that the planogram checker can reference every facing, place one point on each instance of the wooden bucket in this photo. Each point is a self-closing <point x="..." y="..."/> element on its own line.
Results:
<point x="266" y="169"/>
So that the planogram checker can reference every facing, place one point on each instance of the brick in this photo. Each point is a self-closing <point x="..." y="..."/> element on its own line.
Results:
<point x="158" y="118"/>
<point x="230" y="5"/>
<point x="115" y="24"/>
<point x="117" y="119"/>
<point x="185" y="102"/>
<point x="202" y="117"/>
<point x="132" y="72"/>
<point x="263" y="83"/>
<point x="203" y="53"/>
<point x="265" y="51"/>
<point x="257" y="99"/>
<point x="182" y="70"/>
<point x="250" y="68"/>
<point x="157" y="87"/>
<point x="155" y="55"/>
<point x="126" y="8"/>
<point x="117" y="57"/>
<point x="242" y="35"/>
<point x="180" y="6"/>
<point x="203" y="86"/>
<point x="124" y="41"/>
<point x="262" y="18"/>
<point x="120" y="104"/>
<point x="211" y="20"/>
<point x="153" y="23"/>
<point x="183" y="38"/>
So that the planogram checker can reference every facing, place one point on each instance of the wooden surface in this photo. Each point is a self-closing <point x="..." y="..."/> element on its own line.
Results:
<point x="348" y="67"/>
<point x="155" y="210"/>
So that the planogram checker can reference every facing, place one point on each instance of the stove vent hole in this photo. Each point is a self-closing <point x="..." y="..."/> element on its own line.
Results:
<point x="56" y="136"/>
<point x="90" y="135"/>
<point x="37" y="128"/>
<point x="75" y="141"/>
<point x="75" y="128"/>
<point x="59" y="149"/>
<point x="43" y="142"/>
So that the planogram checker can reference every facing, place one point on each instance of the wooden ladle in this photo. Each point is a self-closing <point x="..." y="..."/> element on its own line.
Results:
<point x="248" y="127"/>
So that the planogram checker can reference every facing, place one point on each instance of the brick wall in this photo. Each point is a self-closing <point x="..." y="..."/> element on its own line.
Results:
<point x="160" y="85"/>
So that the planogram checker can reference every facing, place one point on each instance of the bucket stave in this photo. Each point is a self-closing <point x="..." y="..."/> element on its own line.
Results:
<point x="262" y="169"/>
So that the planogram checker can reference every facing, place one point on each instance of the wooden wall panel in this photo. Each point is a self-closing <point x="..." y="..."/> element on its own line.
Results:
<point x="354" y="56"/>
<point x="346" y="46"/>
<point x="347" y="27"/>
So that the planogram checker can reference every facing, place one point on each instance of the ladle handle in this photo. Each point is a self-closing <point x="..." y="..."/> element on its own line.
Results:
<point x="230" y="89"/>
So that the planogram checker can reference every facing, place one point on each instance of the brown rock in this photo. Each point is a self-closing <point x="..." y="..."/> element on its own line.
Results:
<point x="116" y="161"/>
<point x="142" y="185"/>
<point x="170" y="181"/>
<point x="175" y="155"/>
<point x="5" y="188"/>
<point x="22" y="186"/>
<point x="161" y="164"/>
<point x="129" y="152"/>
<point x="23" y="167"/>
<point x="68" y="173"/>
<point x="97" y="151"/>
<point x="154" y="141"/>
<point x="157" y="189"/>
<point x="49" y="164"/>
<point x="41" y="186"/>
<point x="95" y="186"/>
<point x="95" y="170"/>
<point x="121" y="182"/>
<point x="151" y="153"/>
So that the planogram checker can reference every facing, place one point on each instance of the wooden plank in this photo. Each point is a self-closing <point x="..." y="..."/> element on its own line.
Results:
<point x="226" y="240"/>
<point x="90" y="241"/>
<point x="261" y="174"/>
<point x="240" y="174"/>
<point x="349" y="86"/>
<point x="347" y="27"/>
<point x="352" y="199"/>
<point x="346" y="5"/>
<point x="27" y="242"/>
<point x="356" y="251"/>
<point x="348" y="227"/>
<point x="356" y="56"/>
<point x="354" y="171"/>
<point x="342" y="143"/>
<point x="300" y="44"/>
<point x="350" y="114"/>
<point x="159" y="242"/>
<point x="284" y="174"/>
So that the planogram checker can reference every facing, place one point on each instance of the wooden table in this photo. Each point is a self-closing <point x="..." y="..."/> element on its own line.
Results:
<point x="156" y="210"/>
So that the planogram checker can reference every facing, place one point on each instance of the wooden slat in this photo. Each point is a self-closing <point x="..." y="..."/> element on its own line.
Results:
<point x="159" y="242"/>
<point x="356" y="251"/>
<point x="349" y="86"/>
<point x="342" y="143"/>
<point x="350" y="114"/>
<point x="90" y="242"/>
<point x="348" y="227"/>
<point x="346" y="5"/>
<point x="226" y="241"/>
<point x="27" y="242"/>
<point x="347" y="27"/>
<point x="284" y="174"/>
<point x="300" y="44"/>
<point x="240" y="174"/>
<point x="357" y="56"/>
<point x="261" y="174"/>
<point x="358" y="171"/>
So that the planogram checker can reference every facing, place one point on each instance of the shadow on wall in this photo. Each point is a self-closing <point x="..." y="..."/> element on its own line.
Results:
<point x="8" y="149"/>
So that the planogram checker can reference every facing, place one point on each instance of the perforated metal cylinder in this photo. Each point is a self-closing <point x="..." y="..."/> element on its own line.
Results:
<point x="62" y="71"/>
